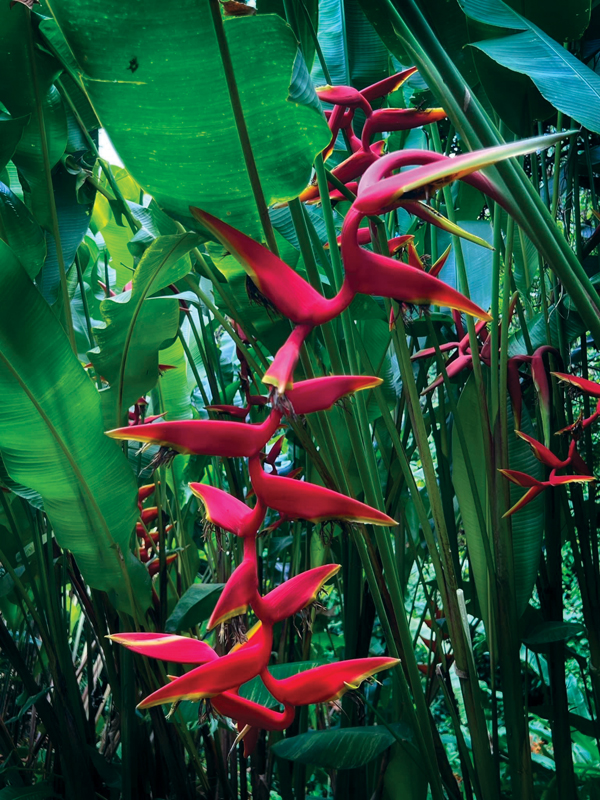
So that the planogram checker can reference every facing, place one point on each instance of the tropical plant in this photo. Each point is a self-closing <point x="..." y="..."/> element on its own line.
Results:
<point x="298" y="395"/>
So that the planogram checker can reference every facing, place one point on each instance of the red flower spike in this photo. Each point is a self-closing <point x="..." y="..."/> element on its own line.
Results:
<point x="247" y="712"/>
<point x="225" y="511"/>
<point x="542" y="453"/>
<point x="149" y="514"/>
<point x="398" y="119"/>
<point x="414" y="259"/>
<point x="321" y="394"/>
<point x="422" y="182"/>
<point x="154" y="566"/>
<point x="521" y="478"/>
<point x="291" y="295"/>
<point x="275" y="451"/>
<point x="325" y="683"/>
<point x="294" y="594"/>
<point x="145" y="491"/>
<point x="166" y="647"/>
<point x="386" y="165"/>
<point x="228" y="672"/>
<point x="240" y="590"/>
<point x="379" y="275"/>
<point x="353" y="167"/>
<point x="345" y="96"/>
<point x="576" y="462"/>
<point x="437" y="267"/>
<point x="302" y="500"/>
<point x="563" y="480"/>
<point x="587" y="387"/>
<point x="204" y="437"/>
<point x="280" y="373"/>
<point x="387" y="85"/>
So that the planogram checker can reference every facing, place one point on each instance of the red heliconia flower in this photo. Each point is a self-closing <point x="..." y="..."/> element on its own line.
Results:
<point x="280" y="373"/>
<point x="204" y="437"/>
<point x="290" y="597"/>
<point x="210" y="679"/>
<point x="149" y="514"/>
<point x="421" y="182"/>
<point x="228" y="513"/>
<point x="144" y="493"/>
<point x="590" y="388"/>
<point x="542" y="453"/>
<point x="380" y="275"/>
<point x="321" y="394"/>
<point x="167" y="647"/>
<point x="581" y="423"/>
<point x="345" y="96"/>
<point x="302" y="500"/>
<point x="294" y="595"/>
<point x="327" y="682"/>
<point x="387" y="85"/>
<point x="398" y="119"/>
<point x="349" y="169"/>
<point x="291" y="295"/>
<point x="240" y="591"/>
<point x="154" y="566"/>
<point x="535" y="487"/>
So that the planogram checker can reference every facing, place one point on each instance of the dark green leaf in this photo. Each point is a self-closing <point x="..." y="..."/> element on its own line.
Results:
<point x="553" y="632"/>
<point x="21" y="232"/>
<point x="194" y="607"/>
<point x="342" y="748"/>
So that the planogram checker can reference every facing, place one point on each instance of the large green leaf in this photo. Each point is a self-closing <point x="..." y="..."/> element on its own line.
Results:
<point x="21" y="232"/>
<point x="305" y="22"/>
<point x="52" y="439"/>
<point x="527" y="524"/>
<point x="332" y="40"/>
<point x="342" y="748"/>
<point x="156" y="72"/>
<point x="368" y="58"/>
<point x="565" y="82"/>
<point x="73" y="222"/>
<point x="11" y="130"/>
<point x="137" y="326"/>
<point x="19" y="81"/>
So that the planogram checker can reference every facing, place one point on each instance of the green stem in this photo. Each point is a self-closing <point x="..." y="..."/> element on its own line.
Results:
<point x="240" y="122"/>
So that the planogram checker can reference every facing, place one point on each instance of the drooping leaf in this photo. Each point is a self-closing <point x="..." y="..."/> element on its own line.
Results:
<point x="194" y="607"/>
<point x="341" y="748"/>
<point x="160" y="73"/>
<point x="137" y="326"/>
<point x="549" y="632"/>
<point x="566" y="83"/>
<point x="73" y="222"/>
<point x="52" y="439"/>
<point x="21" y="232"/>
<point x="11" y="130"/>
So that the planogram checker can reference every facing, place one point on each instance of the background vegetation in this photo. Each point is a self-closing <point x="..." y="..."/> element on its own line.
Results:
<point x="496" y="621"/>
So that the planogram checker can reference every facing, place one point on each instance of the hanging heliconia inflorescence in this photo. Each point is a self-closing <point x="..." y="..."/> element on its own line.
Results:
<point x="380" y="185"/>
